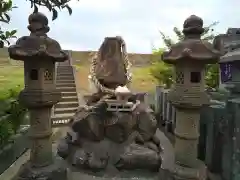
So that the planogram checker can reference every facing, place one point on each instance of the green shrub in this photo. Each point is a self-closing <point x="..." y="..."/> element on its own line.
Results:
<point x="212" y="75"/>
<point x="163" y="73"/>
<point x="5" y="130"/>
<point x="12" y="114"/>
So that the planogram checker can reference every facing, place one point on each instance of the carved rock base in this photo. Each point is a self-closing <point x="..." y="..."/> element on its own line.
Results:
<point x="55" y="171"/>
<point x="99" y="156"/>
<point x="136" y="175"/>
<point x="190" y="173"/>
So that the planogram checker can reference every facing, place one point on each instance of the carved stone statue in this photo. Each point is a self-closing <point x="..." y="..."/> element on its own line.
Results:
<point x="115" y="129"/>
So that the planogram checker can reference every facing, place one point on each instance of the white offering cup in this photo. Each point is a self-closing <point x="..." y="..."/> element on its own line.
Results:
<point x="122" y="93"/>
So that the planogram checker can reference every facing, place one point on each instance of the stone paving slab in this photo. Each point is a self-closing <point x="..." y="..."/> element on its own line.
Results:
<point x="74" y="175"/>
<point x="13" y="169"/>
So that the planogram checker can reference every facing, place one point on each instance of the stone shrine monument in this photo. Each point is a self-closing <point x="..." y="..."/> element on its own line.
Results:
<point x="188" y="95"/>
<point x="39" y="53"/>
<point x="115" y="132"/>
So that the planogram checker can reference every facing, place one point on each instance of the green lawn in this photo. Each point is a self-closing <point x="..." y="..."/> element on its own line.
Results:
<point x="11" y="76"/>
<point x="142" y="81"/>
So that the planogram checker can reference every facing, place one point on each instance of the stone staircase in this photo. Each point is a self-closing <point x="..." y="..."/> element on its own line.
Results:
<point x="65" y="82"/>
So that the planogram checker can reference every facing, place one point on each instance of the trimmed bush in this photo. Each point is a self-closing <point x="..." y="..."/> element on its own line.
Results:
<point x="163" y="73"/>
<point x="12" y="114"/>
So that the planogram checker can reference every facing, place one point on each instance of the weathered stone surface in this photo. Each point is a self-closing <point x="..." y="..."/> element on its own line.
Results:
<point x="192" y="48"/>
<point x="55" y="171"/>
<point x="110" y="67"/>
<point x="38" y="45"/>
<point x="188" y="95"/>
<point x="127" y="140"/>
<point x="39" y="53"/>
<point x="115" y="131"/>
<point x="63" y="148"/>
<point x="138" y="157"/>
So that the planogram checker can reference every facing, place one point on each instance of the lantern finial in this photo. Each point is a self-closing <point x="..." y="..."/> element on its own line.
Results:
<point x="38" y="24"/>
<point x="193" y="26"/>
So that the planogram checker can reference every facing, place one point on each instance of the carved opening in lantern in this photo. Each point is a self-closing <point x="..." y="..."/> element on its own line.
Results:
<point x="180" y="77"/>
<point x="33" y="74"/>
<point x="48" y="76"/>
<point x="195" y="77"/>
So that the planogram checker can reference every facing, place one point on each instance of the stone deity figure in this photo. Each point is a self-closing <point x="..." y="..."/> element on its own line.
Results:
<point x="115" y="128"/>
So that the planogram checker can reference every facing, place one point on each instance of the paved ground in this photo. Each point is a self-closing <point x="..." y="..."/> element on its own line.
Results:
<point x="13" y="169"/>
<point x="167" y="161"/>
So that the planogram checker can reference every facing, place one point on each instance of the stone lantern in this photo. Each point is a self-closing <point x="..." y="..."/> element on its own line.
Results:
<point x="189" y="58"/>
<point x="39" y="54"/>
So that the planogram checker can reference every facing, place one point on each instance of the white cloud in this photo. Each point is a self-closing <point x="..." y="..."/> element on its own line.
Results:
<point x="99" y="5"/>
<point x="72" y="46"/>
<point x="138" y="21"/>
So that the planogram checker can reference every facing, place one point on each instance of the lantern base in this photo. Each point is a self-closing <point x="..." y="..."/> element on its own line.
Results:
<point x="55" y="171"/>
<point x="189" y="173"/>
<point x="180" y="172"/>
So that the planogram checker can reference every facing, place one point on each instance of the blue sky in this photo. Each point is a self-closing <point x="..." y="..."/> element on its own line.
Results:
<point x="137" y="21"/>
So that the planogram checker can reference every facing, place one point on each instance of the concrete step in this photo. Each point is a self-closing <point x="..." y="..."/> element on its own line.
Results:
<point x="69" y="99"/>
<point x="65" y="110"/>
<point x="59" y="81"/>
<point x="61" y="77"/>
<point x="64" y="62"/>
<point x="64" y="70"/>
<point x="69" y="93"/>
<point x="64" y="67"/>
<point x="62" y="118"/>
<point x="66" y="104"/>
<point x="65" y="85"/>
<point x="67" y="89"/>
<point x="64" y="74"/>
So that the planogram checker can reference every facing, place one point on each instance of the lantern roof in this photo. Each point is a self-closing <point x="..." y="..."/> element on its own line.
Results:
<point x="192" y="47"/>
<point x="231" y="56"/>
<point x="38" y="45"/>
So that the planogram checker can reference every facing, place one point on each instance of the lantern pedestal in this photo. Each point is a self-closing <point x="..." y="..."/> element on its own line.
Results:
<point x="188" y="173"/>
<point x="54" y="171"/>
